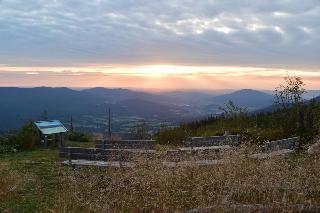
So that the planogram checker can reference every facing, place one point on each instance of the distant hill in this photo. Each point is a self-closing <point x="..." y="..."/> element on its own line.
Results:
<point x="274" y="107"/>
<point x="20" y="104"/>
<point x="311" y="94"/>
<point x="88" y="106"/>
<point x="252" y="99"/>
<point x="145" y="108"/>
<point x="189" y="97"/>
<point x="114" y="95"/>
<point x="317" y="98"/>
<point x="17" y="105"/>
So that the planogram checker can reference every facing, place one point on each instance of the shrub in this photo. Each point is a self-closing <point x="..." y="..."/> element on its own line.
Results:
<point x="78" y="136"/>
<point x="25" y="138"/>
<point x="259" y="136"/>
<point x="6" y="146"/>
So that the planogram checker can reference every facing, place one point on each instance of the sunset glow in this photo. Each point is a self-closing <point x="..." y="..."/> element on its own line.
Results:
<point x="156" y="44"/>
<point x="159" y="77"/>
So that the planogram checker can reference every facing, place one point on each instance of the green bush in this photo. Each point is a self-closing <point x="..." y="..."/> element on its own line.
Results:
<point x="259" y="136"/>
<point x="78" y="136"/>
<point x="25" y="138"/>
<point x="6" y="146"/>
<point x="28" y="136"/>
<point x="172" y="136"/>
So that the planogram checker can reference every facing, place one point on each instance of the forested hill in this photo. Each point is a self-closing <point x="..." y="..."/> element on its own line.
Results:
<point x="20" y="104"/>
<point x="17" y="105"/>
<point x="272" y="123"/>
<point x="246" y="98"/>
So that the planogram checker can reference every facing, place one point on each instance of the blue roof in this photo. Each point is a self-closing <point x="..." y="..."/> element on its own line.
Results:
<point x="50" y="127"/>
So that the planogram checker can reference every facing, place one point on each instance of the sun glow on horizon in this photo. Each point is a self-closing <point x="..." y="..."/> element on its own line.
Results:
<point x="163" y="70"/>
<point x="158" y="76"/>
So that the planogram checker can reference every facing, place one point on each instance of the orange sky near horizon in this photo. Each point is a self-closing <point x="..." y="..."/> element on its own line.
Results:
<point x="153" y="77"/>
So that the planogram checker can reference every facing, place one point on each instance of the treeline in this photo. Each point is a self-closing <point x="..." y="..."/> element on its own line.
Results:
<point x="302" y="120"/>
<point x="291" y="116"/>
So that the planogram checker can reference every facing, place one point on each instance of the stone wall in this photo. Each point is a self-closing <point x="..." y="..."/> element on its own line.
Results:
<point x="288" y="143"/>
<point x="75" y="153"/>
<point x="231" y="140"/>
<point x="198" y="153"/>
<point x="126" y="144"/>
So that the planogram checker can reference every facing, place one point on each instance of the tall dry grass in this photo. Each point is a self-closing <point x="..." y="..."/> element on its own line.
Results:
<point x="11" y="183"/>
<point x="278" y="183"/>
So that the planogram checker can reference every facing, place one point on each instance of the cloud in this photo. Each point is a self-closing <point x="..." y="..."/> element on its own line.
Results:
<point x="261" y="33"/>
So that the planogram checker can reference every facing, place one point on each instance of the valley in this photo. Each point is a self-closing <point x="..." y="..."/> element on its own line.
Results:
<point x="88" y="107"/>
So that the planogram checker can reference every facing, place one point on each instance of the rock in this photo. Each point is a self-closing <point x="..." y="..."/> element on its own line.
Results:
<point x="313" y="148"/>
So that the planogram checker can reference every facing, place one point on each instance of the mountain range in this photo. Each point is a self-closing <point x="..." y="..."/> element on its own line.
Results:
<point x="252" y="99"/>
<point x="89" y="106"/>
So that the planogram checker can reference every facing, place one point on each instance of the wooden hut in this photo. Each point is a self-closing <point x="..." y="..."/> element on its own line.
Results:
<point x="55" y="128"/>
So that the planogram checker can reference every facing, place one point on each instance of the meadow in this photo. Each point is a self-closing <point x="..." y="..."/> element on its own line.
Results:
<point x="36" y="181"/>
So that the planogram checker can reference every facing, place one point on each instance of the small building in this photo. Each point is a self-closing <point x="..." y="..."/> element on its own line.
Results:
<point x="52" y="128"/>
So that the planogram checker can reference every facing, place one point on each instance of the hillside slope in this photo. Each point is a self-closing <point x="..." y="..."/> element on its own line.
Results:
<point x="20" y="104"/>
<point x="17" y="105"/>
<point x="252" y="99"/>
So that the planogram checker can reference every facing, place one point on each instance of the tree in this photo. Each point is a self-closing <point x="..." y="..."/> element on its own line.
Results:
<point x="288" y="96"/>
<point x="290" y="92"/>
<point x="71" y="124"/>
<point x="26" y="138"/>
<point x="230" y="110"/>
<point x="163" y="126"/>
<point x="139" y="131"/>
<point x="44" y="115"/>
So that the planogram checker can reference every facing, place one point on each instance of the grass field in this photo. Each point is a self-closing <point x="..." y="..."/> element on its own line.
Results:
<point x="35" y="181"/>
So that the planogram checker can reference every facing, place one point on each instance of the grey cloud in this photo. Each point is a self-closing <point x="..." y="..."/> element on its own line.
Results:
<point x="280" y="33"/>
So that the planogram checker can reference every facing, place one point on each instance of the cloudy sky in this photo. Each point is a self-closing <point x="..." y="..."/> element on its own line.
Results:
<point x="167" y="44"/>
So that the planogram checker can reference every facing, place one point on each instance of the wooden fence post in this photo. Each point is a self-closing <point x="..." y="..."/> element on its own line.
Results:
<point x="70" y="156"/>
<point x="120" y="160"/>
<point x="45" y="141"/>
<point x="62" y="139"/>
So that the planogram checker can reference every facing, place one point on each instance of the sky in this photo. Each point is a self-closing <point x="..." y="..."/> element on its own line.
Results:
<point x="152" y="44"/>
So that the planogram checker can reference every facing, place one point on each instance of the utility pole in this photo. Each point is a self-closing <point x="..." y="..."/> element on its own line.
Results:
<point x="71" y="124"/>
<point x="44" y="115"/>
<point x="256" y="125"/>
<point x="109" y="124"/>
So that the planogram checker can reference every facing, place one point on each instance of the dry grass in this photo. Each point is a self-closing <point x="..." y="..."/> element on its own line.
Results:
<point x="280" y="182"/>
<point x="11" y="182"/>
<point x="35" y="181"/>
